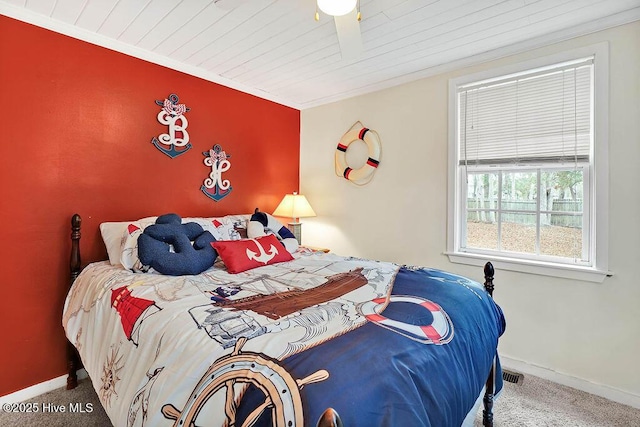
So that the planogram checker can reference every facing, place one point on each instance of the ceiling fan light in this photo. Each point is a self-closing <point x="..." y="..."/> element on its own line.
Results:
<point x="337" y="7"/>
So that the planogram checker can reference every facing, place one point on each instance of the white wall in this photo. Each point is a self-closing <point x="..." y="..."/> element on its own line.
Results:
<point x="583" y="334"/>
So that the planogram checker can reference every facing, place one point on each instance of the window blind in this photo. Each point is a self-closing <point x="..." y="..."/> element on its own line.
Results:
<point x="539" y="116"/>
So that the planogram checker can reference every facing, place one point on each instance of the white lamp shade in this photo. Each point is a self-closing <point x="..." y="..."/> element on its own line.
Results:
<point x="294" y="206"/>
<point x="337" y="7"/>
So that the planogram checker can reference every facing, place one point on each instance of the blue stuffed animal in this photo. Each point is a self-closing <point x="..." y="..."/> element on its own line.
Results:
<point x="154" y="247"/>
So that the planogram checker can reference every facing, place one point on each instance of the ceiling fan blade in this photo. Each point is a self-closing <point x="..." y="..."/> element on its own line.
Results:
<point x="349" y="36"/>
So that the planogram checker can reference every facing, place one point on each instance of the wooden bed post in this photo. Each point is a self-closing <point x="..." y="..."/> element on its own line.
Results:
<point x="329" y="418"/>
<point x="487" y="413"/>
<point x="73" y="359"/>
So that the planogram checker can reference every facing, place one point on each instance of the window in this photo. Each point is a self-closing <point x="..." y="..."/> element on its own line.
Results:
<point x="528" y="166"/>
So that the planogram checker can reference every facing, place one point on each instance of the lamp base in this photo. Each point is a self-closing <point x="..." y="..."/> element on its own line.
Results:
<point x="296" y="229"/>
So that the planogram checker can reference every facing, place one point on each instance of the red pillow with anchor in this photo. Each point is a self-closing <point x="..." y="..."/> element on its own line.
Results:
<point x="242" y="255"/>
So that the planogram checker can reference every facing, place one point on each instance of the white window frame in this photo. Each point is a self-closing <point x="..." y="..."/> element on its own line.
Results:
<point x="597" y="174"/>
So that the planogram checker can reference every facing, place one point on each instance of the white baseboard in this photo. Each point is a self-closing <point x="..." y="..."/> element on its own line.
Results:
<point x="601" y="390"/>
<point x="38" y="389"/>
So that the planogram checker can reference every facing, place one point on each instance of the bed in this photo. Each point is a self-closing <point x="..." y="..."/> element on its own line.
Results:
<point x="320" y="339"/>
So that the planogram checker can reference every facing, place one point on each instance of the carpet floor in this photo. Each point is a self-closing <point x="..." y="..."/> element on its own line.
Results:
<point x="536" y="403"/>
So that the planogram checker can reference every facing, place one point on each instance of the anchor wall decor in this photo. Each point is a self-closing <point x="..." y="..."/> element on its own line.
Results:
<point x="214" y="186"/>
<point x="176" y="142"/>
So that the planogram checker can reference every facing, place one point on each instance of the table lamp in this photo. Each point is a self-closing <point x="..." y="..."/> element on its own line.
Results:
<point x="294" y="206"/>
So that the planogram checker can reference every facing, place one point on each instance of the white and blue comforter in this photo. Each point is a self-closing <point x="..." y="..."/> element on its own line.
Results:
<point x="407" y="346"/>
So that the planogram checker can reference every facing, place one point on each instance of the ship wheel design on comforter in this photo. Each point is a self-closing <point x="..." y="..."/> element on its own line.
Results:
<point x="282" y="392"/>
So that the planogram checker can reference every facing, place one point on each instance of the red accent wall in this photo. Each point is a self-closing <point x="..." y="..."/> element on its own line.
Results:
<point x="76" y="128"/>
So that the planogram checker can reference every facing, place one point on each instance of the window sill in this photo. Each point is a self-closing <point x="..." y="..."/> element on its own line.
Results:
<point x="587" y="274"/>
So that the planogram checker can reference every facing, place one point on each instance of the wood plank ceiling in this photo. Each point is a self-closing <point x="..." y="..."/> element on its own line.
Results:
<point x="275" y="49"/>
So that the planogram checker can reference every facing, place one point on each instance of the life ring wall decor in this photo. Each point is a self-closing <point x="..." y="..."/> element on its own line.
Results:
<point x="364" y="174"/>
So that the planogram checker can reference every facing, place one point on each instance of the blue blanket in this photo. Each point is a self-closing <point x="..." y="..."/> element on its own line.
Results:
<point x="421" y="360"/>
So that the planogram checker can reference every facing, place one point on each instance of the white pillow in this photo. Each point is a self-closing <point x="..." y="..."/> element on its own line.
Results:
<point x="213" y="225"/>
<point x="129" y="249"/>
<point x="233" y="224"/>
<point x="222" y="228"/>
<point x="113" y="235"/>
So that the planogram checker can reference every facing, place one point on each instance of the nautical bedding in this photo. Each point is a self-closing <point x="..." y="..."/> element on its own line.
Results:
<point x="380" y="343"/>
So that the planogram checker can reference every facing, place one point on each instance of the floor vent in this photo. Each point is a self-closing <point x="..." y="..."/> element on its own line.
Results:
<point x="512" y="377"/>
